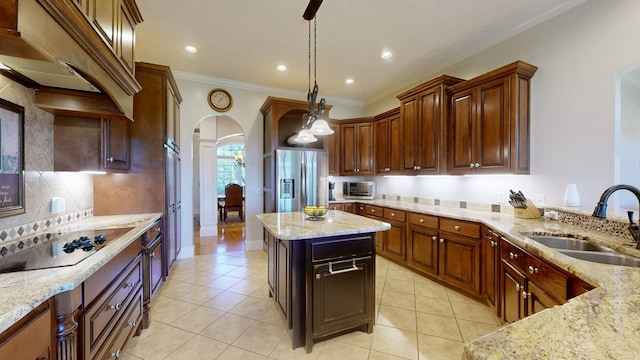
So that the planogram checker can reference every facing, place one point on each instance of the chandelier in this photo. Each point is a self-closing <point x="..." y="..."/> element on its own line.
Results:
<point x="312" y="122"/>
<point x="239" y="159"/>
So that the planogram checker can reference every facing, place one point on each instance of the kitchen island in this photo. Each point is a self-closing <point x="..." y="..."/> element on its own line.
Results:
<point x="321" y="272"/>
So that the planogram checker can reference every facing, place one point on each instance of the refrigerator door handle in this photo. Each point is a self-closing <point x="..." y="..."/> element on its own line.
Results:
<point x="303" y="180"/>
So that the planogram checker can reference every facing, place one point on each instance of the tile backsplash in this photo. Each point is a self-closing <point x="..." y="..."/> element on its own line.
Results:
<point x="41" y="182"/>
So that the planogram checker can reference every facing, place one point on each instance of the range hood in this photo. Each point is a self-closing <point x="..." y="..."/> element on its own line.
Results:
<point x="52" y="47"/>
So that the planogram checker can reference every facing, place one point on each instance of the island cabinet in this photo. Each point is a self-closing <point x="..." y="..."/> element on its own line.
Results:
<point x="32" y="337"/>
<point x="323" y="286"/>
<point x="529" y="284"/>
<point x="388" y="142"/>
<point x="356" y="146"/>
<point x="423" y="119"/>
<point x="488" y="129"/>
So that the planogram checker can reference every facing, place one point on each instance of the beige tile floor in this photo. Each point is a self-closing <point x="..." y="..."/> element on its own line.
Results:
<point x="217" y="307"/>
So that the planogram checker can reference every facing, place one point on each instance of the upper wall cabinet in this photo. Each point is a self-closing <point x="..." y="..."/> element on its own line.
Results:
<point x="356" y="145"/>
<point x="488" y="130"/>
<point x="423" y="114"/>
<point x="387" y="134"/>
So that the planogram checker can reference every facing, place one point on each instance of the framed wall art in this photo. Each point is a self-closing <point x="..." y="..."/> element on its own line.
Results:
<point x="11" y="159"/>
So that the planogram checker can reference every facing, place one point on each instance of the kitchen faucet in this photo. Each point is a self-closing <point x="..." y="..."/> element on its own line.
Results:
<point x="601" y="209"/>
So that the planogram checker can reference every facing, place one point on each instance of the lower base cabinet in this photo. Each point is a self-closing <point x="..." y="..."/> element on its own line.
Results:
<point x="323" y="286"/>
<point x="31" y="337"/>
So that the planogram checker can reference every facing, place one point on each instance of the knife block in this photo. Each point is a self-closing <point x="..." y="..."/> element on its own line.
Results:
<point x="531" y="212"/>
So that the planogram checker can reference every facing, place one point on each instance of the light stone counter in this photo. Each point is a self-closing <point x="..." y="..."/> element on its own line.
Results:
<point x="601" y="324"/>
<point x="295" y="226"/>
<point x="21" y="292"/>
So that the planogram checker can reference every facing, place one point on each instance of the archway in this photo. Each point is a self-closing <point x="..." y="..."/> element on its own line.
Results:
<point x="210" y="133"/>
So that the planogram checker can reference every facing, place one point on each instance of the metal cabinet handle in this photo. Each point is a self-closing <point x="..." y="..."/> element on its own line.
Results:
<point x="116" y="354"/>
<point x="110" y="159"/>
<point x="393" y="214"/>
<point x="477" y="165"/>
<point x="512" y="255"/>
<point x="471" y="166"/>
<point x="441" y="241"/>
<point x="157" y="229"/>
<point x="517" y="287"/>
<point x="152" y="255"/>
<point x="524" y="294"/>
<point x="133" y="323"/>
<point x="352" y="268"/>
<point x="115" y="307"/>
<point x="456" y="227"/>
<point x="132" y="284"/>
<point x="421" y="221"/>
<point x="533" y="270"/>
<point x="434" y="238"/>
<point x="373" y="210"/>
<point x="493" y="243"/>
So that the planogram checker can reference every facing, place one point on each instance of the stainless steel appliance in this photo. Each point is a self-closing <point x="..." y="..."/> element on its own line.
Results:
<point x="58" y="249"/>
<point x="365" y="190"/>
<point x="301" y="179"/>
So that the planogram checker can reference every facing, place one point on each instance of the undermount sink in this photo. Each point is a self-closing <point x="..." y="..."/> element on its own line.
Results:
<point x="584" y="250"/>
<point x="561" y="242"/>
<point x="610" y="258"/>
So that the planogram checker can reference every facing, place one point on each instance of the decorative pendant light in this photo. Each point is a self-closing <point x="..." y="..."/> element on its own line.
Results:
<point x="312" y="122"/>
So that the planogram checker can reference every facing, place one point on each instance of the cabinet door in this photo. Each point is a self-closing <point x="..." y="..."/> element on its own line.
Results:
<point x="460" y="261"/>
<point x="116" y="144"/>
<point x="155" y="266"/>
<point x="365" y="149"/>
<point x="272" y="252"/>
<point x="126" y="36"/>
<point x="350" y="208"/>
<point x="491" y="257"/>
<point x="32" y="340"/>
<point x="383" y="147"/>
<point x="511" y="288"/>
<point x="461" y="140"/>
<point x="409" y="114"/>
<point x="171" y="225"/>
<point x="393" y="244"/>
<point x="538" y="299"/>
<point x="428" y="141"/>
<point x="396" y="130"/>
<point x="348" y="146"/>
<point x="333" y="145"/>
<point x="342" y="295"/>
<point x="283" y="279"/>
<point x="422" y="249"/>
<point x="492" y="126"/>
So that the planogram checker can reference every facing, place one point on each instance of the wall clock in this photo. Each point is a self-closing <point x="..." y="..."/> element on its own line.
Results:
<point x="220" y="100"/>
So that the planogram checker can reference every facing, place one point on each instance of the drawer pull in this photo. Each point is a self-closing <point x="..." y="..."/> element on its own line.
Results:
<point x="352" y="268"/>
<point x="133" y="323"/>
<point x="512" y="255"/>
<point x="421" y="221"/>
<point x="152" y="255"/>
<point x="493" y="243"/>
<point x="115" y="307"/>
<point x="116" y="354"/>
<point x="132" y="284"/>
<point x="110" y="159"/>
<point x="517" y="287"/>
<point x="524" y="294"/>
<point x="434" y="238"/>
<point x="456" y="228"/>
<point x="373" y="210"/>
<point x="157" y="229"/>
<point x="393" y="214"/>
<point x="533" y="270"/>
<point x="441" y="241"/>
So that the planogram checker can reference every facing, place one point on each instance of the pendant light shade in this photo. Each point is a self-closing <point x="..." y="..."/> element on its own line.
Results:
<point x="321" y="127"/>
<point x="303" y="137"/>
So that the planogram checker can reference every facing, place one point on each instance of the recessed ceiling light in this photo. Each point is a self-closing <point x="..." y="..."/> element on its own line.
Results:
<point x="191" y="49"/>
<point x="348" y="81"/>
<point x="386" y="55"/>
<point x="281" y="68"/>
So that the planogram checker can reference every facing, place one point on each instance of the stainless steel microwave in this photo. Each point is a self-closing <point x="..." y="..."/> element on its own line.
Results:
<point x="359" y="190"/>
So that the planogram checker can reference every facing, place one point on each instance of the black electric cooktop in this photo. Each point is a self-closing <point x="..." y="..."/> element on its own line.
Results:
<point x="60" y="249"/>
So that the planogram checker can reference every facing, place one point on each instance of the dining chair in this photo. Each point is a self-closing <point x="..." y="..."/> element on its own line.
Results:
<point x="234" y="201"/>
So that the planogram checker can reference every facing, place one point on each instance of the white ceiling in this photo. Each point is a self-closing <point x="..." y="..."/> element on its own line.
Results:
<point x="244" y="40"/>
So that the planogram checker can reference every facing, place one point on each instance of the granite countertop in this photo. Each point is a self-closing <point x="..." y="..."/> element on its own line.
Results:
<point x="603" y="323"/>
<point x="21" y="292"/>
<point x="296" y="226"/>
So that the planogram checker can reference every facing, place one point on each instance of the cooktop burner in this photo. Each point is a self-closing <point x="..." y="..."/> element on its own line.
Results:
<point x="60" y="249"/>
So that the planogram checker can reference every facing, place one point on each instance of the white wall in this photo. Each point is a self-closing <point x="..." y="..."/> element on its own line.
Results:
<point x="247" y="100"/>
<point x="573" y="113"/>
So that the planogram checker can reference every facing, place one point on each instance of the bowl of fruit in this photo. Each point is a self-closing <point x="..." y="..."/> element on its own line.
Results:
<point x="314" y="212"/>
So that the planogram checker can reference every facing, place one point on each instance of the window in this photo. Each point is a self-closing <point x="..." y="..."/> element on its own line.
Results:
<point x="229" y="171"/>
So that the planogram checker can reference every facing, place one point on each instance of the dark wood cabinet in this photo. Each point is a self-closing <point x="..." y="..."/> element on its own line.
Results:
<point x="31" y="338"/>
<point x="529" y="284"/>
<point x="423" y="244"/>
<point x="388" y="142"/>
<point x="491" y="267"/>
<point x="152" y="267"/>
<point x="394" y="240"/>
<point x="488" y="130"/>
<point x="423" y="115"/>
<point x="356" y="145"/>
<point x="323" y="286"/>
<point x="460" y="260"/>
<point x="88" y="144"/>
<point x="351" y="208"/>
<point x="153" y="183"/>
<point x="333" y="149"/>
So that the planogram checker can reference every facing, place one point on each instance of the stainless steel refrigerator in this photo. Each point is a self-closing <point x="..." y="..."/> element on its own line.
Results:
<point x="301" y="179"/>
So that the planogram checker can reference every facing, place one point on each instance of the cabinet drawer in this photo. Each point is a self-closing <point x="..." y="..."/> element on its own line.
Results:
<point x="371" y="210"/>
<point x="154" y="232"/>
<point x="460" y="227"/>
<point x="100" y="318"/>
<point x="342" y="248"/>
<point x="393" y="214"/>
<point x="124" y="330"/>
<point x="423" y="220"/>
<point x="336" y="206"/>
